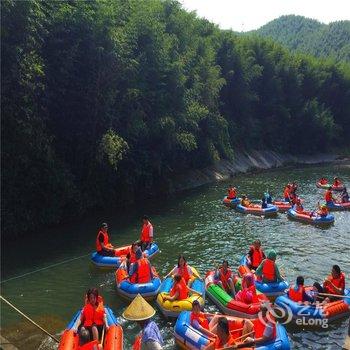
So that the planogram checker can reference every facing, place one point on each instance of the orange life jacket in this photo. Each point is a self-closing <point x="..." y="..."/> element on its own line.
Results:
<point x="323" y="211"/>
<point x="219" y="345"/>
<point x="89" y="346"/>
<point x="244" y="295"/>
<point x="145" y="232"/>
<point x="296" y="295"/>
<point x="328" y="196"/>
<point x="143" y="273"/>
<point x="224" y="277"/>
<point x="257" y="256"/>
<point x="132" y="257"/>
<point x="202" y="320"/>
<point x="268" y="270"/>
<point x="338" y="282"/>
<point x="93" y="315"/>
<point x="231" y="193"/>
<point x="286" y="192"/>
<point x="183" y="272"/>
<point x="137" y="343"/>
<point x="105" y="240"/>
<point x="260" y="325"/>
<point x="180" y="287"/>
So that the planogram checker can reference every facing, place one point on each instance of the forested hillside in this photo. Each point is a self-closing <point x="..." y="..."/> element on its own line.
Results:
<point x="310" y="36"/>
<point x="104" y="101"/>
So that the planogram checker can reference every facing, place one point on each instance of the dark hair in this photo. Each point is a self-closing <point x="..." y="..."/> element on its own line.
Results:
<point x="223" y="324"/>
<point x="177" y="278"/>
<point x="330" y="187"/>
<point x="318" y="287"/>
<point x="196" y="302"/>
<point x="300" y="280"/>
<point x="93" y="291"/>
<point x="336" y="268"/>
<point x="84" y="336"/>
<point x="145" y="217"/>
<point x="225" y="261"/>
<point x="178" y="260"/>
<point x="257" y="241"/>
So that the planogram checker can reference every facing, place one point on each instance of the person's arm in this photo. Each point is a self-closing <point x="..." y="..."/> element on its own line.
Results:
<point x="174" y="297"/>
<point x="196" y="325"/>
<point x="278" y="275"/>
<point x="171" y="272"/>
<point x="258" y="271"/>
<point x="268" y="334"/>
<point x="339" y="290"/>
<point x="108" y="248"/>
<point x="106" y="322"/>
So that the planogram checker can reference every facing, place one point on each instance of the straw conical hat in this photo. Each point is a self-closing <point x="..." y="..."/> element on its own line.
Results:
<point x="138" y="310"/>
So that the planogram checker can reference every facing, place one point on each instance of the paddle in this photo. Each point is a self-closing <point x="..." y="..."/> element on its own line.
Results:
<point x="333" y="295"/>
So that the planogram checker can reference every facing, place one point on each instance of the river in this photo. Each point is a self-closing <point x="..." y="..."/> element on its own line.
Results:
<point x="36" y="278"/>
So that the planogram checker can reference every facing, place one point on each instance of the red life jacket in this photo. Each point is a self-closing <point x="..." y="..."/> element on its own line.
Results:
<point x="296" y="295"/>
<point x="286" y="192"/>
<point x="183" y="272"/>
<point x="137" y="343"/>
<point x="93" y="315"/>
<point x="260" y="325"/>
<point x="143" y="273"/>
<point x="132" y="257"/>
<point x="145" y="232"/>
<point x="257" y="256"/>
<point x="231" y="193"/>
<point x="268" y="270"/>
<point x="338" y="282"/>
<point x="219" y="345"/>
<point x="248" y="295"/>
<point x="225" y="277"/>
<point x="180" y="287"/>
<point x="328" y="196"/>
<point x="336" y="183"/>
<point x="105" y="240"/>
<point x="323" y="181"/>
<point x="89" y="346"/>
<point x="202" y="320"/>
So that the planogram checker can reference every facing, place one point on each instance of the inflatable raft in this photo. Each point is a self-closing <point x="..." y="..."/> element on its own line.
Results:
<point x="130" y="290"/>
<point x="227" y="304"/>
<point x="269" y="289"/>
<point x="256" y="209"/>
<point x="115" y="261"/>
<point x="330" y="311"/>
<point x="308" y="218"/>
<point x="173" y="308"/>
<point x="326" y="186"/>
<point x="338" y="206"/>
<point x="231" y="203"/>
<point x="113" y="339"/>
<point x="187" y="337"/>
<point x="282" y="206"/>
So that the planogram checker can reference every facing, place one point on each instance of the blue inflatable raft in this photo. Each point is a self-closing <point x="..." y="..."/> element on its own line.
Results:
<point x="313" y="315"/>
<point x="187" y="337"/>
<point x="231" y="203"/>
<point x="115" y="261"/>
<point x="310" y="218"/>
<point x="271" y="210"/>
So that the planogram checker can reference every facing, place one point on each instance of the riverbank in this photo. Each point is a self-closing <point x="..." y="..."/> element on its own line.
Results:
<point x="248" y="161"/>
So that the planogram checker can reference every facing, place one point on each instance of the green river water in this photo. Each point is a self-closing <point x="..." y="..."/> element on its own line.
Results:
<point x="36" y="279"/>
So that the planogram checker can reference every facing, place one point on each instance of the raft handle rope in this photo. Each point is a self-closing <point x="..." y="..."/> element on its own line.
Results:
<point x="29" y="319"/>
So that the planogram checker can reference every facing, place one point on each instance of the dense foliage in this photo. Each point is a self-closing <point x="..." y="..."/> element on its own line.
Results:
<point x="104" y="101"/>
<point x="310" y="36"/>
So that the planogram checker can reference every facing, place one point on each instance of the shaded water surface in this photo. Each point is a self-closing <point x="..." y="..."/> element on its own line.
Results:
<point x="195" y="224"/>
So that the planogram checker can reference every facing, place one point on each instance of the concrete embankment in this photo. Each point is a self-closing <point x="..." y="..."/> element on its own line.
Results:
<point x="245" y="162"/>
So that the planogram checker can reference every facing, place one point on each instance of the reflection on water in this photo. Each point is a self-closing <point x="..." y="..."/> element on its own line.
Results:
<point x="195" y="224"/>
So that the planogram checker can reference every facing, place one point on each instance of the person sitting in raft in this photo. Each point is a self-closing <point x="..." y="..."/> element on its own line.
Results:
<point x="141" y="270"/>
<point x="183" y="270"/>
<point x="335" y="282"/>
<point x="286" y="193"/>
<point x="298" y="207"/>
<point x="231" y="192"/>
<point x="323" y="181"/>
<point x="93" y="316"/>
<point x="328" y="196"/>
<point x="248" y="293"/>
<point x="131" y="256"/>
<point x="255" y="255"/>
<point x="268" y="270"/>
<point x="200" y="322"/>
<point x="344" y="196"/>
<point x="268" y="198"/>
<point x="179" y="291"/>
<point x="297" y="292"/>
<point x="316" y="290"/>
<point x="263" y="203"/>
<point x="103" y="247"/>
<point x="245" y="202"/>
<point x="142" y="312"/>
<point x="322" y="211"/>
<point x="224" y="277"/>
<point x="336" y="182"/>
<point x="146" y="233"/>
<point x="86" y="344"/>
